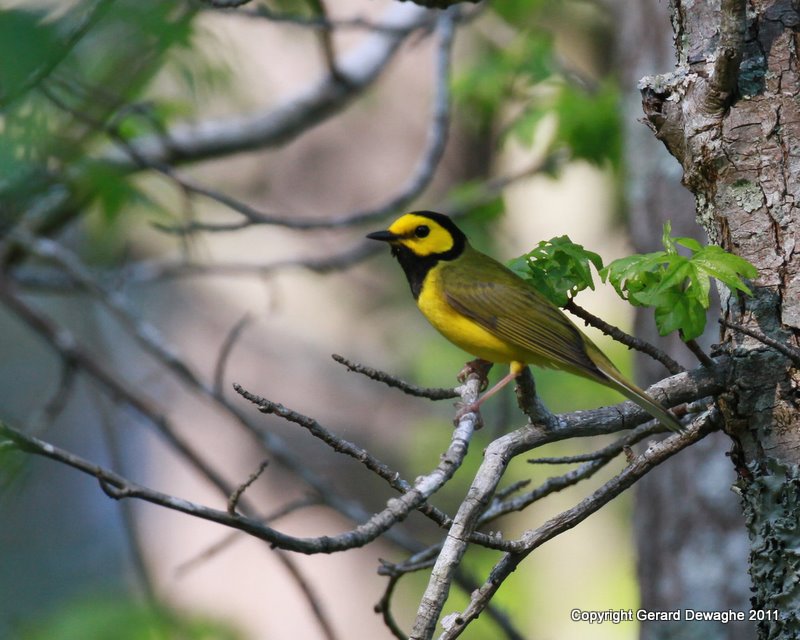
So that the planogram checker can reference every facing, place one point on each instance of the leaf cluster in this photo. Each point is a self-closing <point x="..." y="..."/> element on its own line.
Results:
<point x="676" y="286"/>
<point x="558" y="268"/>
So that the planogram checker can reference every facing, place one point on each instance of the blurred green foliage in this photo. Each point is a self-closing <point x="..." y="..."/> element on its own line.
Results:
<point x="79" y="83"/>
<point x="102" y="618"/>
<point x="524" y="77"/>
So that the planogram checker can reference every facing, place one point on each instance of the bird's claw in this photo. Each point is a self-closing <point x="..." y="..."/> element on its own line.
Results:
<point x="479" y="367"/>
<point x="466" y="409"/>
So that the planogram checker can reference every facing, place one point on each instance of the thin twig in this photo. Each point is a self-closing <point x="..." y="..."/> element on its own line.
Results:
<point x="432" y="393"/>
<point x="340" y="445"/>
<point x="135" y="546"/>
<point x="396" y="509"/>
<point x="55" y="404"/>
<point x="309" y="22"/>
<point x="226" y="349"/>
<point x="701" y="355"/>
<point x="790" y="352"/>
<point x="233" y="501"/>
<point x="277" y="125"/>
<point x="229" y="538"/>
<point x="67" y="346"/>
<point x="530" y="402"/>
<point x="150" y="338"/>
<point x="384" y="607"/>
<point x="628" y="340"/>
<point x="326" y="41"/>
<point x="311" y="596"/>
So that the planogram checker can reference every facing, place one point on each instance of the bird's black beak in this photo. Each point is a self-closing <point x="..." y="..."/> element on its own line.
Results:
<point x="383" y="236"/>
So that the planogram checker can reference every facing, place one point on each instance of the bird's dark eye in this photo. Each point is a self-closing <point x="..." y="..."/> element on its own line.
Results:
<point x="422" y="231"/>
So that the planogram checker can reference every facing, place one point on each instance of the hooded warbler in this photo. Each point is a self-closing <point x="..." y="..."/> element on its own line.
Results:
<point x="490" y="312"/>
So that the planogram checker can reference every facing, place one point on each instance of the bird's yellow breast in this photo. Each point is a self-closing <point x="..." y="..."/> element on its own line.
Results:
<point x="460" y="330"/>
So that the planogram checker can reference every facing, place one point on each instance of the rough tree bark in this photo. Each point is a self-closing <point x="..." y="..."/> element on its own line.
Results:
<point x="730" y="114"/>
<point x="683" y="561"/>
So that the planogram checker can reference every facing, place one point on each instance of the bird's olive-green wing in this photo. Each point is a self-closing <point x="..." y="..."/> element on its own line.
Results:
<point x="497" y="299"/>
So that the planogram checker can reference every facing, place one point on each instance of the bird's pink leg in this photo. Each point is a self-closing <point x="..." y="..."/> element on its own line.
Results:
<point x="516" y="369"/>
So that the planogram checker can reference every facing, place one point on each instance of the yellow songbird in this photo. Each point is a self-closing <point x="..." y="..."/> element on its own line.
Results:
<point x="489" y="311"/>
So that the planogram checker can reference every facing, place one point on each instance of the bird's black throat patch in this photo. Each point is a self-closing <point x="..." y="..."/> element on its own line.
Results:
<point x="416" y="267"/>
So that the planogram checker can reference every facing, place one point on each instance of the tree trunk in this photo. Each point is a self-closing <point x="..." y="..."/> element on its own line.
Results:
<point x="684" y="561"/>
<point x="730" y="114"/>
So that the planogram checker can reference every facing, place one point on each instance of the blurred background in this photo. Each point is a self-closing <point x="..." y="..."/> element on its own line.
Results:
<point x="207" y="172"/>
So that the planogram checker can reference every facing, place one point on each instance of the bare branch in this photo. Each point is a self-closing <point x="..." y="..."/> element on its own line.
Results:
<point x="396" y="509"/>
<point x="419" y="179"/>
<point x="134" y="542"/>
<point x="632" y="342"/>
<point x="384" y="607"/>
<point x="66" y="345"/>
<point x="225" y="351"/>
<point x="389" y="380"/>
<point x="496" y="457"/>
<point x="53" y="407"/>
<point x="229" y="538"/>
<point x="311" y="597"/>
<point x="153" y="272"/>
<point x="298" y="113"/>
<point x="701" y="355"/>
<point x="655" y="454"/>
<point x="308" y="22"/>
<point x="152" y="341"/>
<point x="340" y="445"/>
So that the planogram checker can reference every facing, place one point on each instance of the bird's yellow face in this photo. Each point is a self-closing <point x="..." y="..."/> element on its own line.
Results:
<point x="422" y="235"/>
<point x="420" y="241"/>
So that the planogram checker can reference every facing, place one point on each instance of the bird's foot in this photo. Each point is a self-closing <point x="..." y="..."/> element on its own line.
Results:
<point x="478" y="366"/>
<point x="474" y="408"/>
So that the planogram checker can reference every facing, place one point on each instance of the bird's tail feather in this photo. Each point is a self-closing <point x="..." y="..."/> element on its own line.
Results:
<point x="613" y="378"/>
<point x="652" y="407"/>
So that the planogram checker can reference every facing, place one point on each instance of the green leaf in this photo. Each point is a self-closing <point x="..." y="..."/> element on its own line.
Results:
<point x="557" y="268"/>
<point x="677" y="287"/>
<point x="501" y="72"/>
<point x="725" y="267"/>
<point x="680" y="313"/>
<point x="690" y="243"/>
